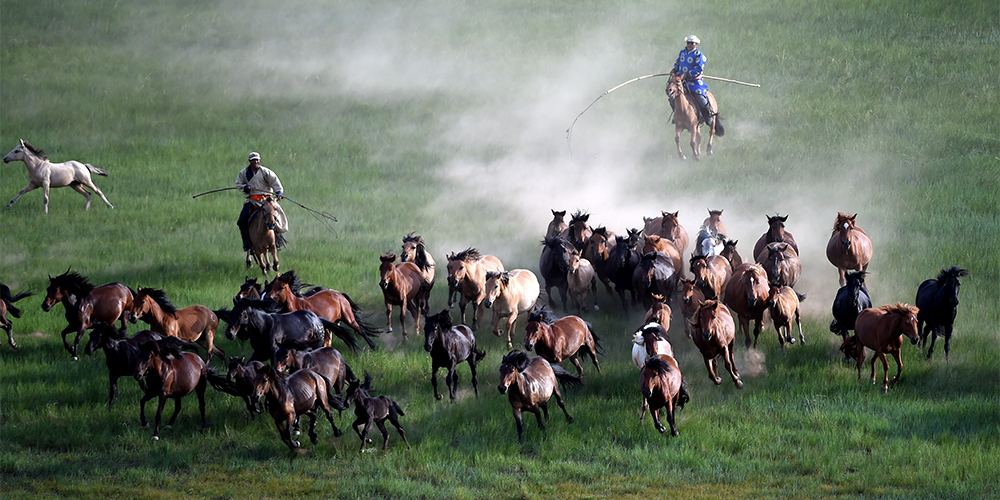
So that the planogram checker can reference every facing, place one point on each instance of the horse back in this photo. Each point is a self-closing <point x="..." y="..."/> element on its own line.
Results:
<point x="305" y="387"/>
<point x="540" y="381"/>
<point x="181" y="376"/>
<point x="107" y="302"/>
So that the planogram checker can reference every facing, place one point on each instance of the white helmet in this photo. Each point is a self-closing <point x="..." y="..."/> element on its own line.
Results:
<point x="254" y="156"/>
<point x="692" y="38"/>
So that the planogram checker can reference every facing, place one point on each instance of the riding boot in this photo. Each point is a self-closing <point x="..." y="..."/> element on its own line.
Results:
<point x="705" y="109"/>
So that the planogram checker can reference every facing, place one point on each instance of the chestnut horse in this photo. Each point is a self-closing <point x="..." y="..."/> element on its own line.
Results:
<point x="7" y="301"/>
<point x="597" y="252"/>
<point x="289" y="397"/>
<point x="783" y="306"/>
<point x="730" y="253"/>
<point x="668" y="226"/>
<point x="529" y="383"/>
<point x="662" y="386"/>
<point x="781" y="263"/>
<point x="714" y="223"/>
<point x="581" y="280"/>
<point x="746" y="295"/>
<point x="86" y="304"/>
<point x="579" y="232"/>
<point x="655" y="275"/>
<point x="686" y="117"/>
<point x="467" y="274"/>
<point x="648" y="341"/>
<point x="402" y="285"/>
<point x="448" y="346"/>
<point x="415" y="251"/>
<point x="658" y="312"/>
<point x="657" y="243"/>
<point x="264" y="237"/>
<point x="714" y="332"/>
<point x="331" y="305"/>
<point x="44" y="174"/>
<point x="711" y="274"/>
<point x="553" y="265"/>
<point x="558" y="339"/>
<point x="849" y="248"/>
<point x="170" y="374"/>
<point x="775" y="233"/>
<point x="881" y="330"/>
<point x="510" y="293"/>
<point x="691" y="299"/>
<point x="193" y="323"/>
<point x="938" y="303"/>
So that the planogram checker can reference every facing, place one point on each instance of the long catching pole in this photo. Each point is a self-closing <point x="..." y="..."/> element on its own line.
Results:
<point x="730" y="81"/>
<point x="323" y="217"/>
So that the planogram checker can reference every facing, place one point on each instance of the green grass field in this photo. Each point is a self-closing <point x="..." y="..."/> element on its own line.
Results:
<point x="451" y="120"/>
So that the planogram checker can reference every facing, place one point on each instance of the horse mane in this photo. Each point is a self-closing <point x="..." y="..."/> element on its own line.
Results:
<point x="899" y="308"/>
<point x="858" y="276"/>
<point x="73" y="282"/>
<point x="552" y="242"/>
<point x="292" y="280"/>
<point x="414" y="238"/>
<point x="951" y="272"/>
<point x="469" y="254"/>
<point x="543" y="315"/>
<point x="160" y="297"/>
<point x="714" y="212"/>
<point x="503" y="276"/>
<point x="652" y="325"/>
<point x="603" y="231"/>
<point x="777" y="218"/>
<point x="661" y="367"/>
<point x="579" y="216"/>
<point x="279" y="385"/>
<point x="36" y="151"/>
<point x="518" y="359"/>
<point x="268" y="306"/>
<point x="841" y="218"/>
<point x="442" y="319"/>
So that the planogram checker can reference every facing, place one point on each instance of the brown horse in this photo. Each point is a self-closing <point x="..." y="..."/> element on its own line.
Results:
<point x="747" y="294"/>
<point x="558" y="339"/>
<point x="448" y="346"/>
<point x="655" y="276"/>
<point x="648" y="341"/>
<point x="250" y="289"/>
<point x="467" y="274"/>
<point x="579" y="232"/>
<point x="658" y="312"/>
<point x="691" y="299"/>
<point x="86" y="304"/>
<point x="881" y="330"/>
<point x="529" y="383"/>
<point x="662" y="386"/>
<point x="415" y="251"/>
<point x="510" y="293"/>
<point x="781" y="263"/>
<point x="581" y="280"/>
<point x="597" y="252"/>
<point x="714" y="222"/>
<point x="243" y="373"/>
<point x="714" y="333"/>
<point x="402" y="285"/>
<point x="288" y="398"/>
<point x="671" y="229"/>
<point x="730" y="253"/>
<point x="553" y="266"/>
<point x="711" y="274"/>
<point x="170" y="374"/>
<point x="657" y="243"/>
<point x="558" y="224"/>
<point x="326" y="361"/>
<point x="120" y="352"/>
<point x="7" y="301"/>
<point x="264" y="237"/>
<point x="193" y="323"/>
<point x="330" y="305"/>
<point x="775" y="233"/>
<point x="686" y="117"/>
<point x="783" y="305"/>
<point x="849" y="248"/>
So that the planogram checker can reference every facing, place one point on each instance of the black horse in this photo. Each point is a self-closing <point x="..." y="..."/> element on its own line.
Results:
<point x="259" y="322"/>
<point x="621" y="264"/>
<point x="554" y="266"/>
<point x="7" y="300"/>
<point x="938" y="303"/>
<point x="450" y="345"/>
<point x="851" y="299"/>
<point x="121" y="353"/>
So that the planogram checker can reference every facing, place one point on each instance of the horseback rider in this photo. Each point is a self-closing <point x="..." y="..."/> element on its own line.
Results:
<point x="257" y="182"/>
<point x="690" y="65"/>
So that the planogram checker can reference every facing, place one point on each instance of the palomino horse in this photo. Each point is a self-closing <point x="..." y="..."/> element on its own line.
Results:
<point x="781" y="263"/>
<point x="881" y="330"/>
<point x="370" y="410"/>
<point x="86" y="304"/>
<point x="662" y="386"/>
<point x="193" y="323"/>
<point x="655" y="275"/>
<point x="331" y="305"/>
<point x="558" y="224"/>
<point x="711" y="274"/>
<point x="7" y="306"/>
<point x="621" y="264"/>
<point x="402" y="285"/>
<point x="714" y="332"/>
<point x="775" y="233"/>
<point x="691" y="299"/>
<point x="597" y="252"/>
<point x="450" y="345"/>
<point x="783" y="306"/>
<point x="467" y="274"/>
<point x="851" y="299"/>
<point x="288" y="397"/>
<point x="264" y="237"/>
<point x="730" y="253"/>
<point x="648" y="341"/>
<point x="579" y="231"/>
<point x="938" y="303"/>
<point x="529" y="383"/>
<point x="849" y="248"/>
<point x="553" y="265"/>
<point x="746" y="295"/>
<point x="44" y="174"/>
<point x="510" y="293"/>
<point x="121" y="353"/>
<point x="581" y="281"/>
<point x="170" y="374"/>
<point x="415" y="251"/>
<point x="559" y="339"/>
<point x="686" y="118"/>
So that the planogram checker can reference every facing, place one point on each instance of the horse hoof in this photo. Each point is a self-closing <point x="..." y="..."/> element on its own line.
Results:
<point x="337" y="433"/>
<point x="295" y="444"/>
<point x="739" y="384"/>
<point x="155" y="438"/>
<point x="674" y="431"/>
<point x="74" y="358"/>
<point x="438" y="397"/>
<point x="388" y="330"/>
<point x="314" y="438"/>
<point x="296" y="433"/>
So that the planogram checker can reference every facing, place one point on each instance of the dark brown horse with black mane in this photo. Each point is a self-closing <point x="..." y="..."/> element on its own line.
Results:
<point x="554" y="266"/>
<point x="7" y="301"/>
<point x="662" y="386"/>
<point x="87" y="304"/>
<point x="170" y="374"/>
<point x="579" y="232"/>
<point x="121" y="353"/>
<point x="775" y="233"/>
<point x="448" y="346"/>
<point x="621" y="264"/>
<point x="529" y="383"/>
<point x="289" y="397"/>
<point x="851" y="299"/>
<point x="938" y="303"/>
<point x="370" y="410"/>
<point x="556" y="339"/>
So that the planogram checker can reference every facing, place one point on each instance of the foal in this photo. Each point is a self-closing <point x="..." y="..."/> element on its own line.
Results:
<point x="373" y="410"/>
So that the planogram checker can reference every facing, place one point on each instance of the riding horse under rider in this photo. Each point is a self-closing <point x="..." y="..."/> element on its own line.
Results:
<point x="689" y="65"/>
<point x="258" y="183"/>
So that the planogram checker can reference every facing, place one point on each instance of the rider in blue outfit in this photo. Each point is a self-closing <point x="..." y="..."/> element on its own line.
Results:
<point x="690" y="64"/>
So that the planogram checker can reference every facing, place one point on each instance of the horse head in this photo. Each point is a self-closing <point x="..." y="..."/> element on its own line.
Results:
<point x="510" y="366"/>
<point x="578" y="230"/>
<point x="755" y="285"/>
<point x="908" y="325"/>
<point x="386" y="270"/>
<point x="434" y="326"/>
<point x="410" y="244"/>
<point x="776" y="227"/>
<point x="539" y="322"/>
<point x="496" y="282"/>
<point x="457" y="268"/>
<point x="844" y="226"/>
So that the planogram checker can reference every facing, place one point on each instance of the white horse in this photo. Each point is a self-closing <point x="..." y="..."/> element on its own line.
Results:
<point x="649" y="340"/>
<point x="709" y="243"/>
<point x="44" y="174"/>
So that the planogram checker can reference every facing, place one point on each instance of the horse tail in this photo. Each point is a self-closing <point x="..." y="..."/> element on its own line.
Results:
<point x="348" y="375"/>
<point x="222" y="384"/>
<point x="682" y="397"/>
<point x="345" y="334"/>
<point x="597" y="340"/>
<point x="96" y="170"/>
<point x="480" y="354"/>
<point x="398" y="409"/>
<point x="567" y="378"/>
<point x="367" y="328"/>
<point x="719" y="129"/>
<point x="14" y="311"/>
<point x="801" y="296"/>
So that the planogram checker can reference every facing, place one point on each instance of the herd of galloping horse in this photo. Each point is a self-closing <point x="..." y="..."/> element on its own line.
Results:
<point x="293" y="369"/>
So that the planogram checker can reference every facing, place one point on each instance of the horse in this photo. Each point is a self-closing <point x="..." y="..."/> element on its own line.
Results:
<point x="414" y="250"/>
<point x="658" y="312"/>
<point x="510" y="293"/>
<point x="730" y="253"/>
<point x="467" y="274"/>
<point x="648" y="341"/>
<point x="259" y="322"/>
<point x="121" y="353"/>
<point x="243" y="373"/>
<point x="851" y="299"/>
<point x="193" y="323"/>
<point x="370" y="410"/>
<point x="598" y="250"/>
<point x="781" y="263"/>
<point x="7" y="301"/>
<point x="775" y="233"/>
<point x="711" y="274"/>
<point x="250" y="289"/>
<point x="708" y="243"/>
<point x="662" y="386"/>
<point x="938" y="303"/>
<point x="86" y="304"/>
<point x="170" y="374"/>
<point x="331" y="305"/>
<point x="746" y="295"/>
<point x="579" y="232"/>
<point x="621" y="264"/>
<point x="686" y="117"/>
<point x="553" y="265"/>
<point x="264" y="237"/>
<point x="558" y="339"/>
<point x="289" y="397"/>
<point x="44" y="174"/>
<point x="326" y="361"/>
<point x="671" y="229"/>
<point x="402" y="285"/>
<point x="581" y="280"/>
<point x="655" y="275"/>
<point x="691" y="299"/>
<point x="881" y="330"/>
<point x="657" y="243"/>
<point x="558" y="224"/>
<point x="783" y="306"/>
<point x="714" y="223"/>
<point x="714" y="332"/>
<point x="450" y="345"/>
<point x="849" y="247"/>
<point x="529" y="383"/>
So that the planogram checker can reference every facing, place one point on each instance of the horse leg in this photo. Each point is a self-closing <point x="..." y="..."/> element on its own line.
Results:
<point x="843" y="280"/>
<point x="696" y="141"/>
<point x="642" y="411"/>
<point x="899" y="366"/>
<point x="511" y="321"/>
<point x="79" y="189"/>
<point x="313" y="437"/>
<point x="520" y="424"/>
<point x="112" y="389"/>
<point x="29" y="187"/>
<point x="885" y="371"/>
<point x="745" y="326"/>
<point x="671" y="420"/>
<point x="677" y="140"/>
<point x="710" y="363"/>
<point x="385" y="433"/>
<point x="329" y="416"/>
<point x="451" y="380"/>
<point x="757" y="327"/>
<point x="364" y="433"/>
<point x="10" y="338"/>
<point x="933" y="333"/>
<point x="388" y="317"/>
<point x="730" y="361"/>
<point x="477" y="311"/>
<point x="45" y="194"/>
<point x="394" y="420"/>
<point x="947" y="342"/>
<point x="434" y="382"/>
<point x="798" y="323"/>
<point x="177" y="410"/>
<point x="402" y="316"/>
<point x="142" y="409"/>
<point x="159" y="415"/>
<point x="472" y="368"/>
